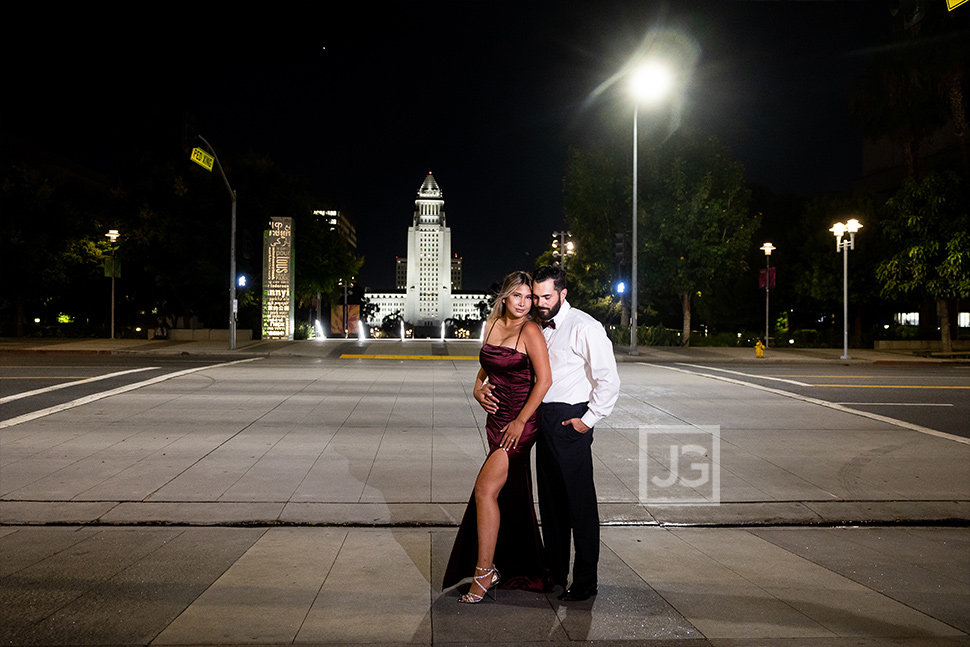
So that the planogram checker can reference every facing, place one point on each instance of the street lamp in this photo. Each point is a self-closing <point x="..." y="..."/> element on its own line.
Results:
<point x="562" y="248"/>
<point x="767" y="248"/>
<point x="112" y="268"/>
<point x="844" y="245"/>
<point x="649" y="83"/>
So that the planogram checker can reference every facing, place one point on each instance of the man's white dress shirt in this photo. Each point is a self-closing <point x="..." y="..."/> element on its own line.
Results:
<point x="582" y="363"/>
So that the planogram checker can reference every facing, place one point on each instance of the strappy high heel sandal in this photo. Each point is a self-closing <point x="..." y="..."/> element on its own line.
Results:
<point x="472" y="598"/>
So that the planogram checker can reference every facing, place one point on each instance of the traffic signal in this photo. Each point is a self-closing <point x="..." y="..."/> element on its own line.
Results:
<point x="620" y="250"/>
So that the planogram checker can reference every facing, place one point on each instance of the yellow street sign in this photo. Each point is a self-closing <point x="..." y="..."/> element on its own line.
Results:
<point x="202" y="158"/>
<point x="953" y="4"/>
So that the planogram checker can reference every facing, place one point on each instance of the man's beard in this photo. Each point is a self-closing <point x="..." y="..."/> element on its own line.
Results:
<point x="550" y="313"/>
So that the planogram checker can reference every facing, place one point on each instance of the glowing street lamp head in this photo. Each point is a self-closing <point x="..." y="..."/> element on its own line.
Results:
<point x="850" y="227"/>
<point x="113" y="235"/>
<point x="651" y="82"/>
<point x="767" y="248"/>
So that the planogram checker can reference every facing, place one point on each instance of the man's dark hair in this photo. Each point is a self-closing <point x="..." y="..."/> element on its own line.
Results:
<point x="554" y="272"/>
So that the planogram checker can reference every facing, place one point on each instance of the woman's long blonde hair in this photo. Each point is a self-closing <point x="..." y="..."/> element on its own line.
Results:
<point x="509" y="285"/>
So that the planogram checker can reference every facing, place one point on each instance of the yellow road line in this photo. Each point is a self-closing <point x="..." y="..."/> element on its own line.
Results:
<point x="850" y="377"/>
<point x="889" y="386"/>
<point x="452" y="357"/>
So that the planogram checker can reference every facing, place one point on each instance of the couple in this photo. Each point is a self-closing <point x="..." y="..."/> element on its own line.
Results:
<point x="547" y="386"/>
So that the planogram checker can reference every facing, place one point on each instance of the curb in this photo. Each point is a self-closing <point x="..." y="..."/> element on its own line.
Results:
<point x="740" y="514"/>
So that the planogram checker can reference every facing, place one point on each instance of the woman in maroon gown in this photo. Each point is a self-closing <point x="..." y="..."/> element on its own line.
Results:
<point x="499" y="528"/>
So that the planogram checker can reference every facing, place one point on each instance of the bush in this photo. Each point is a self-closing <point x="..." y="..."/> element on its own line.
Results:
<point x="657" y="336"/>
<point x="811" y="338"/>
<point x="303" y="330"/>
<point x="717" y="339"/>
<point x="646" y="336"/>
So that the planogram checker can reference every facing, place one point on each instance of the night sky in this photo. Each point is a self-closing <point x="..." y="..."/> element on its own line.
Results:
<point x="363" y="99"/>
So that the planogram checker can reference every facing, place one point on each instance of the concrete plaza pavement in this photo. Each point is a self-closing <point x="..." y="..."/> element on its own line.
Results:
<point x="301" y="498"/>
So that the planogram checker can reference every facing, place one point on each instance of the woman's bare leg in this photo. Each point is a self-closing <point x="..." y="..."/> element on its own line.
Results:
<point x="491" y="480"/>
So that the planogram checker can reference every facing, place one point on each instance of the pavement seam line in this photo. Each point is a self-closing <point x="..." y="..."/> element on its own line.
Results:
<point x="824" y="403"/>
<point x="263" y="455"/>
<point x="33" y="415"/>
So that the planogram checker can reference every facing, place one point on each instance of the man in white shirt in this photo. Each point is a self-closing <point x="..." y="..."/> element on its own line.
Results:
<point x="585" y="387"/>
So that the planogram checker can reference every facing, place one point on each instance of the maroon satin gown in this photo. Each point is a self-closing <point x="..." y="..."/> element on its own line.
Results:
<point x="518" y="551"/>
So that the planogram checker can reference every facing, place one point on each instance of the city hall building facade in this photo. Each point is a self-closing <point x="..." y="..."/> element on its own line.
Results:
<point x="430" y="291"/>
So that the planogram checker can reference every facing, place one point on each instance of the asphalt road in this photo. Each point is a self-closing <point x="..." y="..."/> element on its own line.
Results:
<point x="31" y="383"/>
<point x="932" y="396"/>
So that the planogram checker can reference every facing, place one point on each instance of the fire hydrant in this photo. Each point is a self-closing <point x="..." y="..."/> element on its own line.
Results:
<point x="759" y="349"/>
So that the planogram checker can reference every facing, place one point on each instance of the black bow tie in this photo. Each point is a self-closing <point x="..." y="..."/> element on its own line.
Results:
<point x="549" y="324"/>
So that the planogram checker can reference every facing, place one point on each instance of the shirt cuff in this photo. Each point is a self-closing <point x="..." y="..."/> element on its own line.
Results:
<point x="590" y="419"/>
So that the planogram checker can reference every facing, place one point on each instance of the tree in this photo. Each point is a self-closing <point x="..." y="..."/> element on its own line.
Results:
<point x="596" y="207"/>
<point x="177" y="234"/>
<point x="928" y="225"/>
<point x="52" y="250"/>
<point x="698" y="226"/>
<point x="391" y="324"/>
<point x="914" y="87"/>
<point x="694" y="221"/>
<point x="322" y="258"/>
<point x="174" y="220"/>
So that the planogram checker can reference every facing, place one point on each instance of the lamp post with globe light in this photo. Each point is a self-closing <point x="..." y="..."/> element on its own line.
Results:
<point x="562" y="246"/>
<point x="844" y="244"/>
<point x="649" y="82"/>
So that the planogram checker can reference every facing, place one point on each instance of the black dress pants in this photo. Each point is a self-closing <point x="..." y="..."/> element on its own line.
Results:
<point x="567" y="496"/>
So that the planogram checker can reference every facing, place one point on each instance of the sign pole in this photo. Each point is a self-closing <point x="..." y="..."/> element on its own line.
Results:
<point x="206" y="161"/>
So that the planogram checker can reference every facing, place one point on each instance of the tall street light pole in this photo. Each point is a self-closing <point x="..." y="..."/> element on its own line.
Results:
<point x="650" y="82"/>
<point x="633" y="251"/>
<point x="206" y="160"/>
<point x="844" y="245"/>
<point x="767" y="248"/>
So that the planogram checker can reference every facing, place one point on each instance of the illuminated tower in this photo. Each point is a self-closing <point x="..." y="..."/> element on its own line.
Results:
<point x="429" y="279"/>
<point x="428" y="287"/>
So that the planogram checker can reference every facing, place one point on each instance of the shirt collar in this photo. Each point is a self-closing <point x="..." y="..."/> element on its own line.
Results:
<point x="563" y="312"/>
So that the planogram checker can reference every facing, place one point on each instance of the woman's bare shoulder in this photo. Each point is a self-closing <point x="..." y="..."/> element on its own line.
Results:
<point x="531" y="330"/>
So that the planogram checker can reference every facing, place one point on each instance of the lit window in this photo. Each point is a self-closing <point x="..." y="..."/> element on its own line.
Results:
<point x="907" y="318"/>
